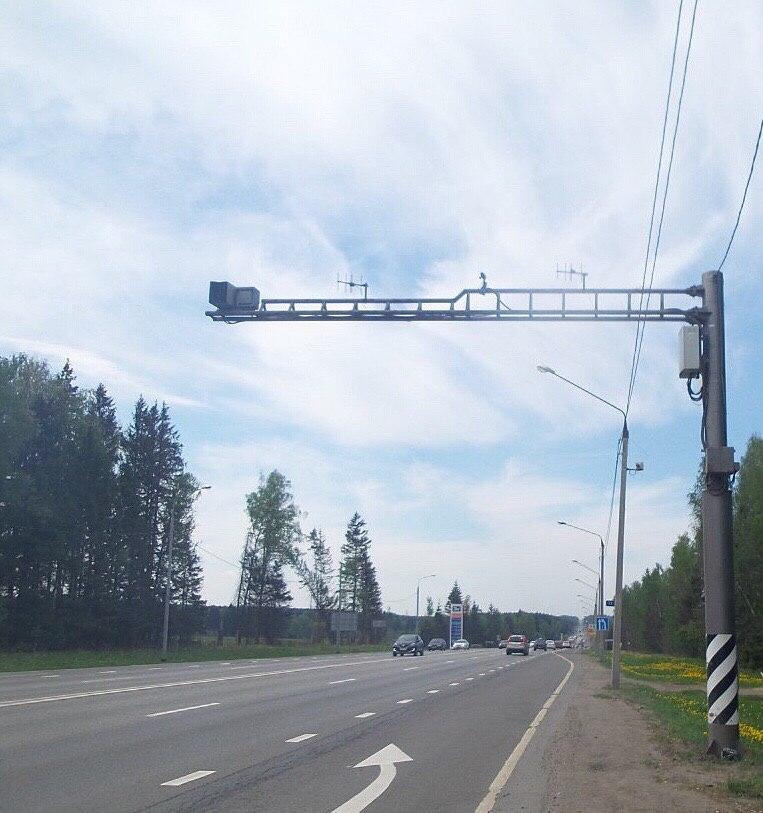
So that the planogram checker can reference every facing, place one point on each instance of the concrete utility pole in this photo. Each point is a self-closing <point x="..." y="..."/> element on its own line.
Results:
<point x="418" y="584"/>
<point x="717" y="532"/>
<point x="618" y="626"/>
<point x="168" y="583"/>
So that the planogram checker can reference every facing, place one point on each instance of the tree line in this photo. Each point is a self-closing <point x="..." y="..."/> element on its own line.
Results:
<point x="663" y="611"/>
<point x="491" y="625"/>
<point x="85" y="509"/>
<point x="274" y="542"/>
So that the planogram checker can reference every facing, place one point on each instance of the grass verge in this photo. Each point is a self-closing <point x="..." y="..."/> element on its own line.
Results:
<point x="672" y="669"/>
<point x="80" y="659"/>
<point x="683" y="718"/>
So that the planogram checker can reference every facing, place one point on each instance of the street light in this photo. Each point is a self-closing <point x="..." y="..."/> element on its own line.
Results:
<point x="601" y="563"/>
<point x="418" y="583"/>
<point x="168" y="585"/>
<point x="617" y="632"/>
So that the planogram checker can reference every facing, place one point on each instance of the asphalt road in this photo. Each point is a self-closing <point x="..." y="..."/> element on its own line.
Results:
<point x="273" y="735"/>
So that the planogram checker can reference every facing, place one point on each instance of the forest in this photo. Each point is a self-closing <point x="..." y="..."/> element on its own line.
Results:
<point x="663" y="611"/>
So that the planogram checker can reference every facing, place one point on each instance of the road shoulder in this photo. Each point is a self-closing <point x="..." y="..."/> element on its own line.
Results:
<point x="596" y="753"/>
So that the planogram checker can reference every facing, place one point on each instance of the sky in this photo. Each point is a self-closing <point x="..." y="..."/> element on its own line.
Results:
<point x="146" y="149"/>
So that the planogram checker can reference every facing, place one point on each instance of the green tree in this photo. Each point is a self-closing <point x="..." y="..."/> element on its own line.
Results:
<point x="316" y="577"/>
<point x="271" y="544"/>
<point x="748" y="553"/>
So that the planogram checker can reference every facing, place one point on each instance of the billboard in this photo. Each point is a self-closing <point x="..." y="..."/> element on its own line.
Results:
<point x="456" y="623"/>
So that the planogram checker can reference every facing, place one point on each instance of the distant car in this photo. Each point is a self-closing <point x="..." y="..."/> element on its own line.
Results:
<point x="502" y="644"/>
<point x="408" y="645"/>
<point x="541" y="644"/>
<point x="461" y="643"/>
<point x="550" y="644"/>
<point x="437" y="644"/>
<point x="518" y="643"/>
<point x="566" y="645"/>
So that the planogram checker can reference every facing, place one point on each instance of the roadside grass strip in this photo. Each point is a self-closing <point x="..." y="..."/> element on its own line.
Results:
<point x="684" y="717"/>
<point x="670" y="669"/>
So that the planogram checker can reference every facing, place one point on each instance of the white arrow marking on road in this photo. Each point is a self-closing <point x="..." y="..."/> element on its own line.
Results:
<point x="385" y="759"/>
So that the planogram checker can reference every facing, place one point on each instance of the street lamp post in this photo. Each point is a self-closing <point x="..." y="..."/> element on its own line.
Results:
<point x="600" y="638"/>
<point x="617" y="632"/>
<point x="418" y="584"/>
<point x="168" y="584"/>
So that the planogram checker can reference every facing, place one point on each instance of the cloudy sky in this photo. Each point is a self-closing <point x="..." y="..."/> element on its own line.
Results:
<point x="150" y="147"/>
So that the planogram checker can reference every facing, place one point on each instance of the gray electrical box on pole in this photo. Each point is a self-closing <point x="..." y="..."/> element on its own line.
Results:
<point x="702" y="355"/>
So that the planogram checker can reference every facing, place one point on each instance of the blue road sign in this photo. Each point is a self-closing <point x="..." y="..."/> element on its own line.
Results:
<point x="602" y="623"/>
<point x="456" y="622"/>
<point x="610" y="602"/>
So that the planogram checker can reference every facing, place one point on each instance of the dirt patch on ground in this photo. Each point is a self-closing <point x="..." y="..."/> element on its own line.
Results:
<point x="607" y="757"/>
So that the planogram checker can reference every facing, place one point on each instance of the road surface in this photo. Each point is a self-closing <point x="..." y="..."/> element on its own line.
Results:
<point x="347" y="733"/>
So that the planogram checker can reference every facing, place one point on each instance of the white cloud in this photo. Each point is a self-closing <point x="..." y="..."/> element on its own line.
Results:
<point x="153" y="148"/>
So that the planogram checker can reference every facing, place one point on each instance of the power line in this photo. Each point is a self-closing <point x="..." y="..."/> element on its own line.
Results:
<point x="656" y="189"/>
<point x="640" y="335"/>
<point x="744" y="196"/>
<point x="612" y="498"/>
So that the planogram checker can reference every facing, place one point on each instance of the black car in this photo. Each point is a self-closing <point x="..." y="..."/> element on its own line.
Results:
<point x="437" y="643"/>
<point x="540" y="644"/>
<point x="408" y="645"/>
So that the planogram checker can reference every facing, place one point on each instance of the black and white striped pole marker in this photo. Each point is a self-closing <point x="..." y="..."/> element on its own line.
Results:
<point x="722" y="680"/>
<point x="717" y="531"/>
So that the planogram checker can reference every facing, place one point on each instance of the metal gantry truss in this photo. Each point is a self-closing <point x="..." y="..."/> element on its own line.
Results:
<point x="474" y="304"/>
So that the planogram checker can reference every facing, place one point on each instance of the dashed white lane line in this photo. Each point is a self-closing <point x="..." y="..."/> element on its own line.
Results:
<point x="108" y="672"/>
<point x="411" y="668"/>
<point x="194" y="665"/>
<point x="403" y="702"/>
<point x="225" y="663"/>
<point x="345" y="680"/>
<point x="302" y="738"/>
<point x="49" y="676"/>
<point x="454" y="684"/>
<point x="470" y="678"/>
<point x="449" y="661"/>
<point x="481" y="674"/>
<point x="433" y="691"/>
<point x="177" y="711"/>
<point x="364" y="715"/>
<point x="189" y="777"/>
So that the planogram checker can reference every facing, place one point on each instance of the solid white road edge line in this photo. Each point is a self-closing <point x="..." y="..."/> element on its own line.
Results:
<point x="177" y="711"/>
<point x="498" y="784"/>
<point x="198" y="682"/>
<point x="301" y="738"/>
<point x="189" y="777"/>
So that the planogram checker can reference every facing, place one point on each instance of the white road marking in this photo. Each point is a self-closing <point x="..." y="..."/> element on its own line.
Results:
<point x="491" y="670"/>
<point x="481" y="674"/>
<point x="454" y="684"/>
<point x="154" y="668"/>
<point x="411" y="668"/>
<point x="302" y="738"/>
<point x="498" y="784"/>
<point x="364" y="715"/>
<point x="29" y="701"/>
<point x="177" y="711"/>
<point x="345" y="680"/>
<point x="385" y="759"/>
<point x="433" y="691"/>
<point x="407" y="700"/>
<point x="449" y="661"/>
<point x="108" y="672"/>
<point x="49" y="676"/>
<point x="194" y="665"/>
<point x="225" y="663"/>
<point x="470" y="678"/>
<point x="189" y="777"/>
